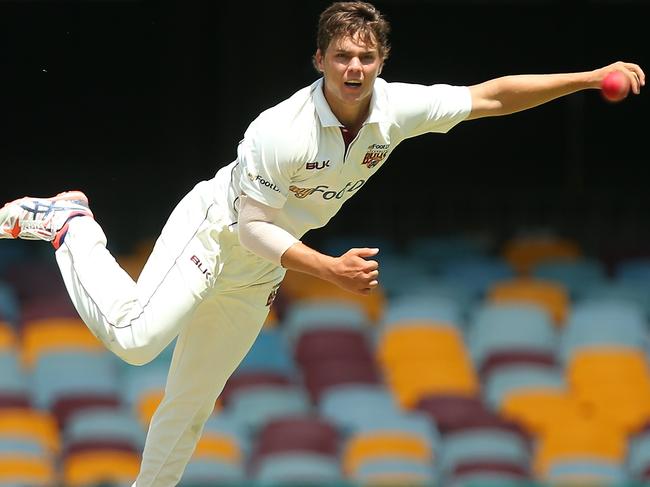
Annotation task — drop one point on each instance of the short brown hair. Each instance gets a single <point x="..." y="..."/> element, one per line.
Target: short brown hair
<point x="353" y="18"/>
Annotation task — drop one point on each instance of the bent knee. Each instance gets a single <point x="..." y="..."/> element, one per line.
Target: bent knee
<point x="136" y="355"/>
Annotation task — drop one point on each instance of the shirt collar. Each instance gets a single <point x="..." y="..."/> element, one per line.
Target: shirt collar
<point x="327" y="117"/>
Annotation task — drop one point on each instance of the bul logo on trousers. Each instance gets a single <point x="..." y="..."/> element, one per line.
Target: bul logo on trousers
<point x="197" y="262"/>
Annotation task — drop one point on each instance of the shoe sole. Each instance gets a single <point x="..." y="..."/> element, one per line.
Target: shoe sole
<point x="64" y="196"/>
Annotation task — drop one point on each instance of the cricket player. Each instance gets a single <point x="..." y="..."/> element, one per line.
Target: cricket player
<point x="223" y="252"/>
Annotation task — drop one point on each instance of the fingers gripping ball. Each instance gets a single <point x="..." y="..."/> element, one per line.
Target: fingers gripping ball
<point x="615" y="86"/>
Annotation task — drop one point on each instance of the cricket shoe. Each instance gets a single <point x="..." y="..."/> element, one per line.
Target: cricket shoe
<point x="42" y="218"/>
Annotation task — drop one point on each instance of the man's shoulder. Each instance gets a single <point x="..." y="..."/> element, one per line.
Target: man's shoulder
<point x="284" y="114"/>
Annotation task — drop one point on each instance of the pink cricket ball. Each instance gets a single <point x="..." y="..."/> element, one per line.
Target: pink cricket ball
<point x="615" y="86"/>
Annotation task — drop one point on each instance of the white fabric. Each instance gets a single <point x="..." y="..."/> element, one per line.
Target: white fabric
<point x="293" y="155"/>
<point x="259" y="234"/>
<point x="199" y="284"/>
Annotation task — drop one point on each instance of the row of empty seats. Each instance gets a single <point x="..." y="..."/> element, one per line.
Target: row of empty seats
<point x="450" y="375"/>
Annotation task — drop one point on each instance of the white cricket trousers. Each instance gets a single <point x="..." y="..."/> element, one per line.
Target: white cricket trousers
<point x="198" y="284"/>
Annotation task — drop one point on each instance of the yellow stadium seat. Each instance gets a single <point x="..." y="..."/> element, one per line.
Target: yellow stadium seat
<point x="419" y="341"/>
<point x="31" y="424"/>
<point x="55" y="334"/>
<point x="146" y="405"/>
<point x="577" y="437"/>
<point x="364" y="447"/>
<point x="537" y="409"/>
<point x="551" y="296"/>
<point x="22" y="470"/>
<point x="220" y="447"/>
<point x="525" y="253"/>
<point x="300" y="286"/>
<point x="100" y="466"/>
<point x="7" y="336"/>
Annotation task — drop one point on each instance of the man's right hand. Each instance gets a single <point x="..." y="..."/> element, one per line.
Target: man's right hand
<point x="353" y="272"/>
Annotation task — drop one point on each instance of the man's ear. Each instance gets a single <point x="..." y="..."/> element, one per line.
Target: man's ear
<point x="318" y="60"/>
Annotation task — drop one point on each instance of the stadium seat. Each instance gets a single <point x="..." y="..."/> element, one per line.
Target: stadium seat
<point x="305" y="315"/>
<point x="20" y="470"/>
<point x="253" y="407"/>
<point x="370" y="446"/>
<point x="9" y="305"/>
<point x="552" y="296"/>
<point x="574" y="275"/>
<point x="66" y="374"/>
<point x="511" y="327"/>
<point x="205" y="472"/>
<point x="638" y="454"/>
<point x="596" y="439"/>
<point x="482" y="445"/>
<point x="603" y="323"/>
<point x="246" y="380"/>
<point x="99" y="467"/>
<point x="347" y="405"/>
<point x="525" y="252"/>
<point x="14" y="387"/>
<point x="320" y="376"/>
<point x="395" y="472"/>
<point x="31" y="425"/>
<point x="602" y="376"/>
<point x="420" y="360"/>
<point x="618" y="290"/>
<point x="452" y="412"/>
<point x="55" y="335"/>
<point x="269" y="353"/>
<point x="298" y="469"/>
<point x="319" y="345"/>
<point x="308" y="434"/>
<point x="511" y="380"/>
<point x="581" y="471"/>
<point x="478" y="273"/>
<point x="97" y="425"/>
<point x="437" y="310"/>
<point x="538" y="409"/>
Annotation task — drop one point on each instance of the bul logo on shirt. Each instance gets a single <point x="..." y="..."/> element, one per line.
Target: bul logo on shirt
<point x="374" y="155"/>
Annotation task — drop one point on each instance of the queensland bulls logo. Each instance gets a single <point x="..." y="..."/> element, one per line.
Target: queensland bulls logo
<point x="375" y="154"/>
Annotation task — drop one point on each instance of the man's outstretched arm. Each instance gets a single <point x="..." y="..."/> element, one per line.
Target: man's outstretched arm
<point x="510" y="94"/>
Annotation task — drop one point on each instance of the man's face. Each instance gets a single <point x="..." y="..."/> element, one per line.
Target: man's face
<point x="350" y="68"/>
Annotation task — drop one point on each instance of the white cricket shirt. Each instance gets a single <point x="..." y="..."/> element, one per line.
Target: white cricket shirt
<point x="293" y="155"/>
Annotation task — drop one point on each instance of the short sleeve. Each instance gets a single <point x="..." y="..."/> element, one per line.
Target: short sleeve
<point x="266" y="168"/>
<point x="437" y="108"/>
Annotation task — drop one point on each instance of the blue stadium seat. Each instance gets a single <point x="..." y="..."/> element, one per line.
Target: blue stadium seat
<point x="604" y="323"/>
<point x="574" y="275"/>
<point x="638" y="455"/>
<point x="477" y="273"/>
<point x="212" y="473"/>
<point x="510" y="379"/>
<point x="435" y="309"/>
<point x="498" y="327"/>
<point x="483" y="445"/>
<point x="107" y="424"/>
<point x="347" y="406"/>
<point x="13" y="380"/>
<point x="582" y="471"/>
<point x="254" y="406"/>
<point x="270" y="353"/>
<point x="9" y="305"/>
<point x="388" y="471"/>
<point x="67" y="373"/>
<point x="298" y="469"/>
<point x="311" y="314"/>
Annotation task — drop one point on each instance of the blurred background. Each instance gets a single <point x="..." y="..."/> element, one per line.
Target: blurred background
<point x="509" y="342"/>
